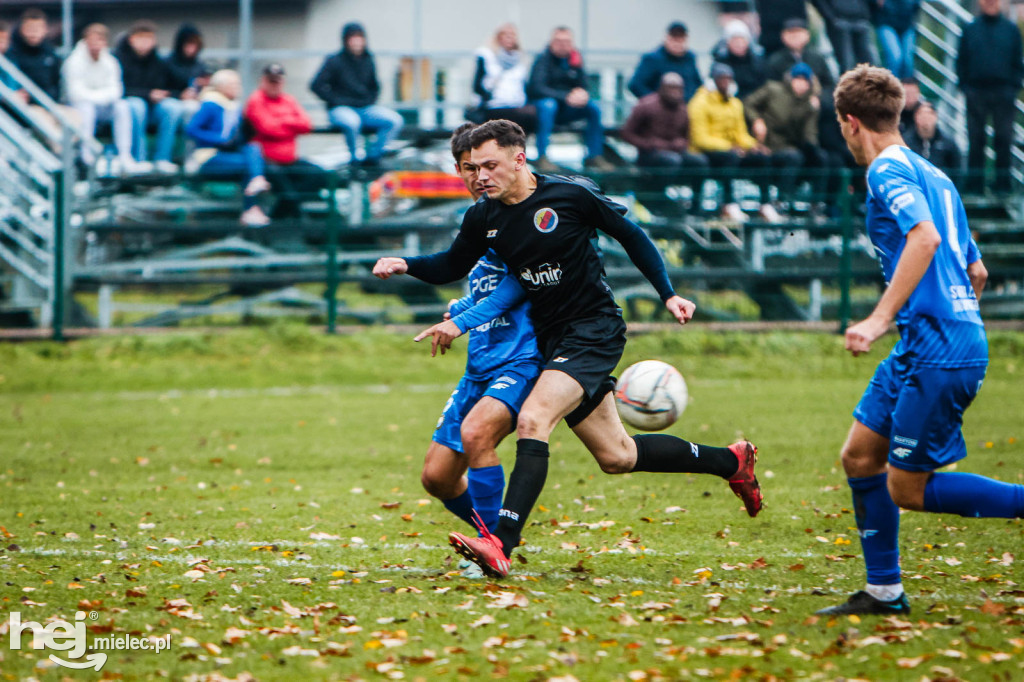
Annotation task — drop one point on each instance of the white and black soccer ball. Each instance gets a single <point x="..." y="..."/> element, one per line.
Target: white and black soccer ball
<point x="651" y="395"/>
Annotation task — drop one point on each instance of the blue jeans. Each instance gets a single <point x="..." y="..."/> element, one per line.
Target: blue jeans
<point x="247" y="161"/>
<point x="166" y="115"/>
<point x="550" y="112"/>
<point x="374" y="118"/>
<point x="898" y="49"/>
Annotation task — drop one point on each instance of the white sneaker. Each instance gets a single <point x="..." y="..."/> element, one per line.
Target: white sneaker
<point x="734" y="213"/>
<point x="254" y="217"/>
<point x="166" y="167"/>
<point x="770" y="215"/>
<point x="133" y="167"/>
<point x="257" y="185"/>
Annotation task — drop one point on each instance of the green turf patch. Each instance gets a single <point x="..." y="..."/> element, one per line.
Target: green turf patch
<point x="256" y="496"/>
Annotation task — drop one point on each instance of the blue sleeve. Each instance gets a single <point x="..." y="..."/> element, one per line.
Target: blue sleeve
<point x="200" y="128"/>
<point x="461" y="305"/>
<point x="507" y="295"/>
<point x="455" y="263"/>
<point x="973" y="253"/>
<point x="896" y="190"/>
<point x="606" y="215"/>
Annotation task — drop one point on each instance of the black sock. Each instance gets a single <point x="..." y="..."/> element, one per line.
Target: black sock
<point x="524" y="486"/>
<point x="662" y="453"/>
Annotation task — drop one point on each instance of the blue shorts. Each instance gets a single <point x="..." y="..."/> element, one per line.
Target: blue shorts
<point x="511" y="384"/>
<point x="920" y="410"/>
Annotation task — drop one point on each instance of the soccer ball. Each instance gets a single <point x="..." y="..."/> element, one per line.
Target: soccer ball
<point x="651" y="395"/>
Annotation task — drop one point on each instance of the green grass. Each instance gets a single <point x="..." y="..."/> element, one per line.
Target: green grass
<point x="124" y="462"/>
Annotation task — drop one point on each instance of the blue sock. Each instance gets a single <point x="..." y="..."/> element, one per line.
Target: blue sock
<point x="461" y="506"/>
<point x="973" y="495"/>
<point x="878" y="520"/>
<point x="487" y="486"/>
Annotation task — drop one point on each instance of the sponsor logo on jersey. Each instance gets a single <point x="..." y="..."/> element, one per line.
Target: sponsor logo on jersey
<point x="546" y="275"/>
<point x="508" y="380"/>
<point x="901" y="202"/>
<point x="485" y="284"/>
<point x="902" y="453"/>
<point x="510" y="514"/>
<point x="491" y="234"/>
<point x="903" y="440"/>
<point x="496" y="323"/>
<point x="962" y="298"/>
<point x="560" y="359"/>
<point x="545" y="220"/>
<point x="499" y="386"/>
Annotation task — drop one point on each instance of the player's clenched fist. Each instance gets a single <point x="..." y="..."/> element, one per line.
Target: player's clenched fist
<point x="681" y="308"/>
<point x="388" y="266"/>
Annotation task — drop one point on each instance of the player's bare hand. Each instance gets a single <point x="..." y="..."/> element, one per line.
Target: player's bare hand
<point x="442" y="335"/>
<point x="448" y="313"/>
<point x="388" y="266"/>
<point x="681" y="308"/>
<point x="860" y="336"/>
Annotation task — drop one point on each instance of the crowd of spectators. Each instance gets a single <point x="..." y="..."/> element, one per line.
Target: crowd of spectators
<point x="764" y="113"/>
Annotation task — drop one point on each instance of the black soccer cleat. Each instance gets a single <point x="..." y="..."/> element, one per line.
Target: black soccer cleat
<point x="863" y="604"/>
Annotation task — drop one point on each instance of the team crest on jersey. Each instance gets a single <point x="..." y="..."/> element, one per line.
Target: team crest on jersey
<point x="545" y="220"/>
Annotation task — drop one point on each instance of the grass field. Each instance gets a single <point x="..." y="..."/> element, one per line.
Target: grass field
<point x="256" y="496"/>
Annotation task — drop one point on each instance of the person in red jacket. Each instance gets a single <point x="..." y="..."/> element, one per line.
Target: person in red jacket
<point x="276" y="120"/>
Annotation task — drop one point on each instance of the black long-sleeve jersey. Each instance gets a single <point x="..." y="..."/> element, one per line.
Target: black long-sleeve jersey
<point x="546" y="242"/>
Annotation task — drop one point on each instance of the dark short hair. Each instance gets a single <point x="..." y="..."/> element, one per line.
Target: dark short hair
<point x="5" y="27"/>
<point x="142" y="26"/>
<point x="33" y="14"/>
<point x="505" y="133"/>
<point x="460" y="140"/>
<point x="873" y="95"/>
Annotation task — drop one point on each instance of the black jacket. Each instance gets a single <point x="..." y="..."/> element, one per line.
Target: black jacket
<point x="40" y="63"/>
<point x="843" y="10"/>
<point x="141" y="74"/>
<point x="940" y="150"/>
<point x="347" y="80"/>
<point x="782" y="61"/>
<point x="655" y="64"/>
<point x="750" y="71"/>
<point x="185" y="70"/>
<point x="773" y="14"/>
<point x="554" y="77"/>
<point x="990" y="55"/>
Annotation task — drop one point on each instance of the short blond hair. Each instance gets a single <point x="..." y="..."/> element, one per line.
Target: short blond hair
<point x="873" y="95"/>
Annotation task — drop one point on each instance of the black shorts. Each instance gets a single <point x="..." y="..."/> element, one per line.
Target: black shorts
<point x="588" y="350"/>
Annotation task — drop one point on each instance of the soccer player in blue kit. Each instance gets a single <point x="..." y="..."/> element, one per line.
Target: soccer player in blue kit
<point x="907" y="424"/>
<point x="461" y="467"/>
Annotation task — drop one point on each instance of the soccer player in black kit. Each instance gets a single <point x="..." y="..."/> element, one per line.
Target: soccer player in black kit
<point x="542" y="227"/>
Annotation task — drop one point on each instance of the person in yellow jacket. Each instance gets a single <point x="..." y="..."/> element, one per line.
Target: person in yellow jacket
<point x="718" y="129"/>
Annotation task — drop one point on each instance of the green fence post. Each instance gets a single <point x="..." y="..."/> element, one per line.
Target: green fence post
<point x="333" y="220"/>
<point x="845" y="258"/>
<point x="59" y="289"/>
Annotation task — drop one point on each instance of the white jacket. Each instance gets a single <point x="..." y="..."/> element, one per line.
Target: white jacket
<point x="507" y="86"/>
<point x="87" y="80"/>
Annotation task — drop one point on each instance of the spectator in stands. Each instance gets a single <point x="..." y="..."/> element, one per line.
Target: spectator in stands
<point x="796" y="49"/>
<point x="718" y="130"/>
<point x="672" y="56"/>
<point x="896" y="26"/>
<point x="746" y="59"/>
<point x="348" y="83"/>
<point x="220" y="146"/>
<point x="92" y="77"/>
<point x="927" y="139"/>
<point x="277" y="120"/>
<point x="848" y="23"/>
<point x="33" y="53"/>
<point x="147" y="87"/>
<point x="189" y="74"/>
<point x="500" y="81"/>
<point x="785" y="119"/>
<point x="912" y="95"/>
<point x="990" y="70"/>
<point x="659" y="128"/>
<point x="558" y="86"/>
<point x="773" y="15"/>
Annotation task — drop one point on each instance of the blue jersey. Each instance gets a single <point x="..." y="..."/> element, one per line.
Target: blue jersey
<point x="940" y="325"/>
<point x="507" y="338"/>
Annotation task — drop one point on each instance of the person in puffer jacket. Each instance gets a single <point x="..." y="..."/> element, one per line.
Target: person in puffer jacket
<point x="221" y="149"/>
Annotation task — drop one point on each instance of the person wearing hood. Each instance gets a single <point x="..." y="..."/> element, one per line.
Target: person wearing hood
<point x="659" y="128"/>
<point x="189" y="74"/>
<point x="147" y="87"/>
<point x="718" y="130"/>
<point x="221" y="149"/>
<point x="95" y="90"/>
<point x="785" y="119"/>
<point x="896" y="26"/>
<point x="990" y="71"/>
<point x="848" y="24"/>
<point x="927" y="139"/>
<point x="347" y="83"/>
<point x="796" y="48"/>
<point x="673" y="55"/>
<point x="746" y="58"/>
<point x="500" y="80"/>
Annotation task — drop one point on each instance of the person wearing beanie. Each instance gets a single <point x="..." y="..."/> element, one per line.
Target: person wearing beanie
<point x="673" y="55"/>
<point x="927" y="139"/>
<point x="744" y="56"/>
<point x="718" y="130"/>
<point x="347" y="83"/>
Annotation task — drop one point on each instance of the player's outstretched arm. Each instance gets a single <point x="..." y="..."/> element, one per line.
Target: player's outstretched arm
<point x="506" y="296"/>
<point x="387" y="266"/>
<point x="922" y="243"/>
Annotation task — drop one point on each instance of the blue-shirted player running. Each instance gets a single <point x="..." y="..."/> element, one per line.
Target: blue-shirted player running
<point x="911" y="413"/>
<point x="461" y="466"/>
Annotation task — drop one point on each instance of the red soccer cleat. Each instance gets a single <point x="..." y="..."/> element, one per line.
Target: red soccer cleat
<point x="484" y="551"/>
<point x="744" y="482"/>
